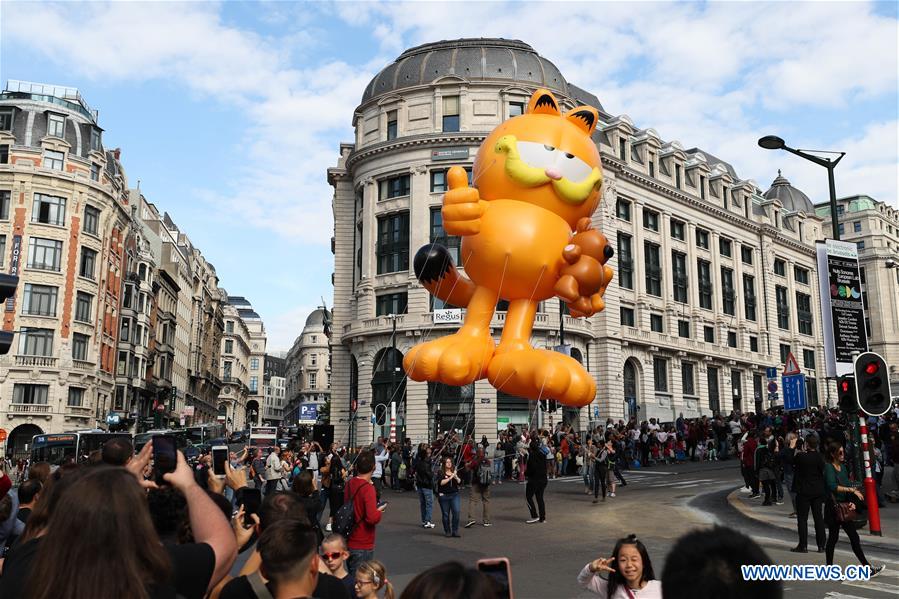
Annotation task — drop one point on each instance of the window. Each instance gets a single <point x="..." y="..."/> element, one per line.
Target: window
<point x="783" y="307"/>
<point x="438" y="181"/>
<point x="44" y="254"/>
<point x="227" y="367"/>
<point x="687" y="378"/>
<point x="708" y="334"/>
<point x="313" y="380"/>
<point x="516" y="109"/>
<point x="725" y="246"/>
<point x="683" y="329"/>
<point x="623" y="210"/>
<point x="784" y="352"/>
<point x="76" y="397"/>
<point x="800" y="274"/>
<point x="804" y="312"/>
<point x="702" y="186"/>
<point x="655" y="323"/>
<point x="627" y="317"/>
<point x="731" y="339"/>
<point x="313" y="360"/>
<point x="95" y="172"/>
<point x="83" y="303"/>
<point x="4" y="204"/>
<point x="749" y="296"/>
<point x="254" y="384"/>
<point x="95" y="140"/>
<point x="30" y="394"/>
<point x="677" y="229"/>
<point x="91" y="220"/>
<point x="450" y="113"/>
<point x="393" y="243"/>
<point x="391" y="125"/>
<point x="808" y="359"/>
<point x="391" y="303"/>
<point x="677" y="181"/>
<point x="650" y="219"/>
<point x="56" y="125"/>
<point x="79" y="346"/>
<point x="857" y="226"/>
<point x="2" y="249"/>
<point x="746" y="254"/>
<point x="6" y="120"/>
<point x="254" y="364"/>
<point x="841" y="228"/>
<point x="660" y="374"/>
<point x="393" y="187"/>
<point x="780" y="267"/>
<point x="452" y="242"/>
<point x="229" y="326"/>
<point x="679" y="278"/>
<point x="229" y="346"/>
<point x="39" y="300"/>
<point x="860" y="245"/>
<point x="728" y="292"/>
<point x="705" y="284"/>
<point x="53" y="160"/>
<point x="622" y="148"/>
<point x="88" y="261"/>
<point x="36" y="342"/>
<point x="49" y="210"/>
<point x="652" y="164"/>
<point x="126" y="330"/>
<point x="653" y="269"/>
<point x="625" y="262"/>
<point x="702" y="239"/>
<point x="753" y="343"/>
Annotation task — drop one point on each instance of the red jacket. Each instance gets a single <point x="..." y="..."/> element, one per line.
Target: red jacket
<point x="748" y="456"/>
<point x="365" y="511"/>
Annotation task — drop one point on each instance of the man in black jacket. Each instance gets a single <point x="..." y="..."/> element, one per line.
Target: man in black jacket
<point x="808" y="480"/>
<point x="424" y="480"/>
<point x="536" y="477"/>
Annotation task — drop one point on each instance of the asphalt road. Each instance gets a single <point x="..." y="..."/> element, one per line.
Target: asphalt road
<point x="658" y="506"/>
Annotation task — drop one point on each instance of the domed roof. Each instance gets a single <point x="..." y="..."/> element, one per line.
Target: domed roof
<point x="317" y="318"/>
<point x="792" y="199"/>
<point x="471" y="59"/>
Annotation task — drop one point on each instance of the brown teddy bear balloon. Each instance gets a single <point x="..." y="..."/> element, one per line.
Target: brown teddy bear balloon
<point x="585" y="275"/>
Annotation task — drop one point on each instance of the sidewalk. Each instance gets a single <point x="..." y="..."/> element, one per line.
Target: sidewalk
<point x="778" y="515"/>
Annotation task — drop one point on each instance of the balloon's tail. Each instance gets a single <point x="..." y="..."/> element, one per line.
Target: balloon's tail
<point x="435" y="269"/>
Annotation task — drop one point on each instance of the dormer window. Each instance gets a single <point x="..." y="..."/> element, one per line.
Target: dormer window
<point x="622" y="148"/>
<point x="450" y="113"/>
<point x="391" y="125"/>
<point x="56" y="125"/>
<point x="5" y="120"/>
<point x="95" y="140"/>
<point x="652" y="164"/>
<point x="516" y="109"/>
<point x="702" y="186"/>
<point x="677" y="176"/>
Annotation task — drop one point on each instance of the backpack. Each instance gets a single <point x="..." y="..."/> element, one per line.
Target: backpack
<point x="485" y="476"/>
<point x="345" y="518"/>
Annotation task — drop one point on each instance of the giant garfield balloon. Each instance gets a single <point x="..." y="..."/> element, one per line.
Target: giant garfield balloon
<point x="526" y="237"/>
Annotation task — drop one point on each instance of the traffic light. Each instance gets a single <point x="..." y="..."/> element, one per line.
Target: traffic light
<point x="552" y="405"/>
<point x="847" y="398"/>
<point x="8" y="285"/>
<point x="873" y="382"/>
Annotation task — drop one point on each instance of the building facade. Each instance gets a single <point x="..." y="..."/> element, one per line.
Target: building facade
<point x="308" y="367"/>
<point x="715" y="280"/>
<point x="874" y="227"/>
<point x="256" y="360"/>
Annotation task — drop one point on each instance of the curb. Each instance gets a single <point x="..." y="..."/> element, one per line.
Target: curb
<point x="735" y="501"/>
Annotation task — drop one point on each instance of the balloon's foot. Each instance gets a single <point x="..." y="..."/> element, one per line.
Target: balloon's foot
<point x="457" y="359"/>
<point x="541" y="374"/>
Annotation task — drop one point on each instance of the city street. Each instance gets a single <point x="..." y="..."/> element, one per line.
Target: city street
<point x="658" y="505"/>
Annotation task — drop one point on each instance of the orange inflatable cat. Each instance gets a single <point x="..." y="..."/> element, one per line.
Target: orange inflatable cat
<point x="538" y="180"/>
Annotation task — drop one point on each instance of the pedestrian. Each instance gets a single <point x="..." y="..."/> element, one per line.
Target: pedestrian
<point x="273" y="470"/>
<point x="536" y="481"/>
<point x="334" y="555"/>
<point x="396" y="460"/>
<point x="747" y="464"/>
<point x="630" y="573"/>
<point x="808" y="480"/>
<point x="381" y="457"/>
<point x="765" y="470"/>
<point x="600" y="471"/>
<point x="451" y="580"/>
<point x="498" y="462"/>
<point x="448" y="496"/>
<point x="424" y="480"/>
<point x="366" y="511"/>
<point x="334" y="476"/>
<point x="304" y="486"/>
<point x="371" y="577"/>
<point x="481" y="475"/>
<point x="836" y="479"/>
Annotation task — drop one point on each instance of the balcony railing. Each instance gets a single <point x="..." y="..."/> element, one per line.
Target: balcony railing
<point x="83" y="365"/>
<point x="543" y="321"/>
<point x="79" y="411"/>
<point x="29" y="408"/>
<point x="39" y="361"/>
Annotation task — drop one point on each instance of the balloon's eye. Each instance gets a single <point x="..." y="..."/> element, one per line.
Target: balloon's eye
<point x="549" y="148"/>
<point x="569" y="155"/>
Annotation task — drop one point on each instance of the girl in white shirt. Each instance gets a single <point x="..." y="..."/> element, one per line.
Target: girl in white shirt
<point x="630" y="574"/>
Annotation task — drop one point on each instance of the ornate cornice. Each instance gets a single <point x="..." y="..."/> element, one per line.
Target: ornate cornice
<point x="415" y="141"/>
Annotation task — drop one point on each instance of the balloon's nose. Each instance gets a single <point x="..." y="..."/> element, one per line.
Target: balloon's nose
<point x="553" y="174"/>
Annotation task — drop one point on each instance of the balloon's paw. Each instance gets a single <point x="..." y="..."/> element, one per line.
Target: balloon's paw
<point x="456" y="359"/>
<point x="541" y="374"/>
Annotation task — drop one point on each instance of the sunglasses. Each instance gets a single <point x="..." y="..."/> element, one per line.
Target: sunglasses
<point x="336" y="555"/>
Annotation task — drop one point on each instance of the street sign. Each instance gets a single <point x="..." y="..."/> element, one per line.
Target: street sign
<point x="448" y="316"/>
<point x="772" y="387"/>
<point x="308" y="413"/>
<point x="794" y="392"/>
<point x="772" y="398"/>
<point x="842" y="307"/>
<point x="771" y="372"/>
<point x="791" y="366"/>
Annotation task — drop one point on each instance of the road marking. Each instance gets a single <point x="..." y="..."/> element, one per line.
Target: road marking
<point x="836" y="595"/>
<point x="683" y="482"/>
<point x="874" y="586"/>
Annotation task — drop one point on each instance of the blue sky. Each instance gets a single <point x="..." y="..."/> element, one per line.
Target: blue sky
<point x="230" y="113"/>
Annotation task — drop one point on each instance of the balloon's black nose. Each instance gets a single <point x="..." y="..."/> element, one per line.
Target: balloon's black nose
<point x="609" y="252"/>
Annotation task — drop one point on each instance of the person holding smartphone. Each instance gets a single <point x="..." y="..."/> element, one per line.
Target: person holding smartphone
<point x="448" y="496"/>
<point x="629" y="573"/>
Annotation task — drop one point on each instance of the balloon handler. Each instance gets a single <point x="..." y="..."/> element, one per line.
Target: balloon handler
<point x="526" y="237"/>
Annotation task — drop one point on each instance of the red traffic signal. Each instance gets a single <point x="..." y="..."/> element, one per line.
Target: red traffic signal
<point x="873" y="383"/>
<point x="872" y="368"/>
<point x="847" y="398"/>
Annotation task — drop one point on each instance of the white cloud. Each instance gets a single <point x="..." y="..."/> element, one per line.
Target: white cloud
<point x="285" y="327"/>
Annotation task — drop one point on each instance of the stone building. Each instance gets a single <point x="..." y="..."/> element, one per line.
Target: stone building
<point x="874" y="227"/>
<point x="256" y="359"/>
<point x="308" y="366"/>
<point x="715" y="280"/>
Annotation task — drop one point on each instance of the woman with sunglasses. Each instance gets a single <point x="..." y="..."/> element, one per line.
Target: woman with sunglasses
<point x="836" y="479"/>
<point x="371" y="577"/>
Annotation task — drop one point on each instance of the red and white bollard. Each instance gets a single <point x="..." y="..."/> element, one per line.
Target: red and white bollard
<point x="393" y="422"/>
<point x="870" y="486"/>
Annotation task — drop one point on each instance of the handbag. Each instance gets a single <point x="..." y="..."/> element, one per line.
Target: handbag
<point x="844" y="511"/>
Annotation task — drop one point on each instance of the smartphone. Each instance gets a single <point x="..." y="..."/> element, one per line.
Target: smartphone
<point x="499" y="571"/>
<point x="252" y="500"/>
<point x="165" y="456"/>
<point x="219" y="457"/>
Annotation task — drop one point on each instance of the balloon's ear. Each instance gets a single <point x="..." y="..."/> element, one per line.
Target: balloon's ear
<point x="585" y="117"/>
<point x="543" y="102"/>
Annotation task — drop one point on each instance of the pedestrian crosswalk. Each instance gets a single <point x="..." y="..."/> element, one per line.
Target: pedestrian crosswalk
<point x="652" y="480"/>
<point x="885" y="585"/>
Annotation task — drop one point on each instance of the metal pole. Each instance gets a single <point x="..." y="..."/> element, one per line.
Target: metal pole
<point x="870" y="487"/>
<point x="561" y="324"/>
<point x="834" y="218"/>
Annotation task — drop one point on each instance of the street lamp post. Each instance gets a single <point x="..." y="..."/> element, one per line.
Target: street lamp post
<point x="772" y="142"/>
